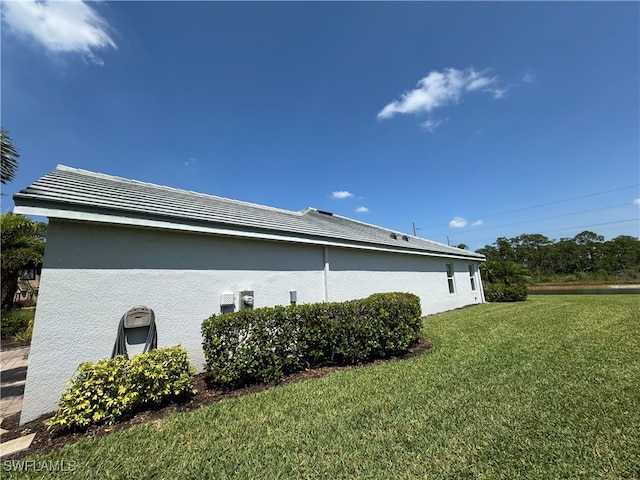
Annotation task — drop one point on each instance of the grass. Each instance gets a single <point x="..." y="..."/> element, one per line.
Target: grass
<point x="547" y="388"/>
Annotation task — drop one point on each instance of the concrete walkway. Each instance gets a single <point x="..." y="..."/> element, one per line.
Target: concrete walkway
<point x="13" y="374"/>
<point x="13" y="366"/>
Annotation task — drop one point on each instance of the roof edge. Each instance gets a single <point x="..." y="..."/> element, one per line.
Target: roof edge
<point x="76" y="215"/>
<point x="105" y="176"/>
<point x="397" y="232"/>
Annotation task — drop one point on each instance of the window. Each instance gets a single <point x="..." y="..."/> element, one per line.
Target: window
<point x="28" y="274"/>
<point x="472" y="271"/>
<point x="452" y="286"/>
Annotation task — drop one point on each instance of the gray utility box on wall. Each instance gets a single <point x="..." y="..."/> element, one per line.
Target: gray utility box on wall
<point x="137" y="317"/>
<point x="246" y="299"/>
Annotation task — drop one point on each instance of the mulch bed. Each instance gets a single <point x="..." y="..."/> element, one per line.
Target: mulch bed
<point x="207" y="394"/>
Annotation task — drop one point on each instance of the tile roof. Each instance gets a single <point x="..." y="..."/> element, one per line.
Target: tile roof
<point x="71" y="189"/>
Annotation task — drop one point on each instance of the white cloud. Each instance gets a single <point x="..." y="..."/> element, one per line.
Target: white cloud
<point x="478" y="82"/>
<point x="341" y="194"/>
<point x="431" y="124"/>
<point x="458" y="222"/>
<point x="636" y="201"/>
<point x="499" y="92"/>
<point x="477" y="223"/>
<point x="362" y="209"/>
<point x="528" y="78"/>
<point x="59" y="26"/>
<point x="439" y="89"/>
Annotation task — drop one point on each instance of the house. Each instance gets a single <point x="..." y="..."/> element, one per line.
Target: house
<point x="28" y="285"/>
<point x="114" y="243"/>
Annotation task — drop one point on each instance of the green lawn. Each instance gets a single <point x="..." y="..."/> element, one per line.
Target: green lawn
<point x="543" y="389"/>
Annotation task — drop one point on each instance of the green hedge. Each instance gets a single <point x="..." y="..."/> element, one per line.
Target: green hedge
<point x="112" y="388"/>
<point x="496" y="292"/>
<point x="263" y="344"/>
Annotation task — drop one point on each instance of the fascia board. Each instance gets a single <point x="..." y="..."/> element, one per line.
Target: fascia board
<point x="75" y="215"/>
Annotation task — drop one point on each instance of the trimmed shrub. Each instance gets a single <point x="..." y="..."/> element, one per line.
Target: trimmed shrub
<point x="111" y="388"/>
<point x="250" y="345"/>
<point x="496" y="292"/>
<point x="378" y="326"/>
<point x="264" y="344"/>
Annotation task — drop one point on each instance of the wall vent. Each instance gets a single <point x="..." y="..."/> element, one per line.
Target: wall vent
<point x="226" y="299"/>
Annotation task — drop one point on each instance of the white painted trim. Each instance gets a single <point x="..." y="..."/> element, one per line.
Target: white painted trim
<point x="325" y="254"/>
<point x="479" y="277"/>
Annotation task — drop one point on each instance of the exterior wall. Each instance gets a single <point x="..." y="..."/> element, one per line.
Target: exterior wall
<point x="93" y="273"/>
<point x="357" y="274"/>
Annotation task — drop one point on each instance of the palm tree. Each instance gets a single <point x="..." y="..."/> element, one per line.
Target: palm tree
<point x="505" y="272"/>
<point x="22" y="247"/>
<point x="9" y="157"/>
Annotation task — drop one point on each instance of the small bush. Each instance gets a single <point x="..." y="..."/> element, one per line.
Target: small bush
<point x="161" y="373"/>
<point x="112" y="388"/>
<point x="505" y="293"/>
<point x="26" y="334"/>
<point x="15" y="322"/>
<point x="266" y="343"/>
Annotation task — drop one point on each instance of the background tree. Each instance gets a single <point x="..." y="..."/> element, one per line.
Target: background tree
<point x="620" y="254"/>
<point x="585" y="257"/>
<point x="589" y="246"/>
<point x="9" y="157"/>
<point x="505" y="247"/>
<point x="564" y="257"/>
<point x="22" y="242"/>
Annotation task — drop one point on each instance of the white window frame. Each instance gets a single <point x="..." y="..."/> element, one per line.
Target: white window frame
<point x="451" y="282"/>
<point x="472" y="276"/>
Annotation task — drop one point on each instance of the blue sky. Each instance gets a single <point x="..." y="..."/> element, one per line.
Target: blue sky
<point x="473" y="120"/>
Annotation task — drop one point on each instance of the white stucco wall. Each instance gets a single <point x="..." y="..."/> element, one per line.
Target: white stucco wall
<point x="93" y="273"/>
<point x="357" y="274"/>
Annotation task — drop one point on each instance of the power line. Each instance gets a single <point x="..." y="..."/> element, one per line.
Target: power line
<point x="547" y="218"/>
<point x="594" y="225"/>
<point x="545" y="204"/>
<point x="570" y="228"/>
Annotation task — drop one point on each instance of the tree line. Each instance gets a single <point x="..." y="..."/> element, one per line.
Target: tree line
<point x="587" y="256"/>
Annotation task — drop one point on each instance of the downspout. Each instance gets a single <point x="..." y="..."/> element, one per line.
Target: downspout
<point x="325" y="252"/>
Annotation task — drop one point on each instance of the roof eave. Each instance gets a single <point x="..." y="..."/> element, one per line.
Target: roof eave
<point x="29" y="206"/>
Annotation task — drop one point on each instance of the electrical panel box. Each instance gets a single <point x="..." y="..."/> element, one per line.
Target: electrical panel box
<point x="227" y="299"/>
<point x="136" y="317"/>
<point x="246" y="299"/>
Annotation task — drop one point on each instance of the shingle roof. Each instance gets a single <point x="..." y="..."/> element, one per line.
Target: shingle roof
<point x="71" y="189"/>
